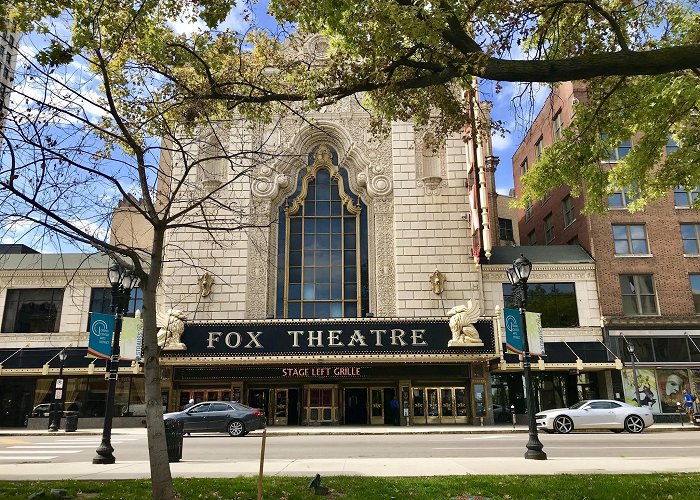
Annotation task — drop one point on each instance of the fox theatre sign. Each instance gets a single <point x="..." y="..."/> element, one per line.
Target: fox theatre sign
<point x="347" y="338"/>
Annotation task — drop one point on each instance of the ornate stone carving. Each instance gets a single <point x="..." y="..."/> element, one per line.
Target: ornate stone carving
<point x="171" y="326"/>
<point x="258" y="262"/>
<point x="431" y="164"/>
<point x="437" y="282"/>
<point x="205" y="283"/>
<point x="462" y="318"/>
<point x="385" y="277"/>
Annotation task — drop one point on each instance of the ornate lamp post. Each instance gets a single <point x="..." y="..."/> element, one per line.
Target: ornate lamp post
<point x="630" y="349"/>
<point x="122" y="281"/>
<point x="56" y="413"/>
<point x="518" y="275"/>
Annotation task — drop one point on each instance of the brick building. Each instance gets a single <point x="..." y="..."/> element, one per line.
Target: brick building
<point x="647" y="264"/>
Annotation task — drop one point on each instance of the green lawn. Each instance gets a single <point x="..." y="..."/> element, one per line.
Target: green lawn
<point x="608" y="487"/>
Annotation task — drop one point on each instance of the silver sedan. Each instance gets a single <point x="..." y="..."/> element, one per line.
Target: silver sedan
<point x="596" y="414"/>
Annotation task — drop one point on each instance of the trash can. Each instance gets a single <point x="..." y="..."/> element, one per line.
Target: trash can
<point x="173" y="438"/>
<point x="71" y="424"/>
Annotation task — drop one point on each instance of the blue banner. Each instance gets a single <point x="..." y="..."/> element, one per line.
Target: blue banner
<point x="101" y="330"/>
<point x="514" y="331"/>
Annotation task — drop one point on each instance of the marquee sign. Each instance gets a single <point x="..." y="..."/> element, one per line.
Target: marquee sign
<point x="383" y="336"/>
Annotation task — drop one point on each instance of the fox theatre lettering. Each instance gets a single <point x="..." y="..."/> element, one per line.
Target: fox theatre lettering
<point x="323" y="338"/>
<point x="344" y="337"/>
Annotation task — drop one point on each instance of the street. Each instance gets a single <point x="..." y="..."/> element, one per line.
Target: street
<point x="129" y="447"/>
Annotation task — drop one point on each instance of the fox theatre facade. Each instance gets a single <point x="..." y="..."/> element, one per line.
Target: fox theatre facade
<point x="336" y="372"/>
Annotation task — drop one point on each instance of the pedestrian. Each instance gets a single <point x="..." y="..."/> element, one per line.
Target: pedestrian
<point x="689" y="400"/>
<point x="394" y="410"/>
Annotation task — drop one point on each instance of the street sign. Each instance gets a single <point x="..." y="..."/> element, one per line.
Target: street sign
<point x="59" y="383"/>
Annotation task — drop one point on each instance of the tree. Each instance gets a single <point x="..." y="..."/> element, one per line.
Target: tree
<point x="639" y="60"/>
<point x="93" y="124"/>
<point x="413" y="60"/>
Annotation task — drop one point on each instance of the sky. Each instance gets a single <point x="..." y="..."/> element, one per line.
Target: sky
<point x="516" y="113"/>
<point x="513" y="105"/>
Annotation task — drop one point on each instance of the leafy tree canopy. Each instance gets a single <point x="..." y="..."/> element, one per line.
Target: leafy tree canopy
<point x="411" y="59"/>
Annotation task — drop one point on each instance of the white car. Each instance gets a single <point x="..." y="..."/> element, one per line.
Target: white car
<point x="596" y="414"/>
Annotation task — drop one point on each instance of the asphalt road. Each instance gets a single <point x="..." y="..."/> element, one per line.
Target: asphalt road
<point x="62" y="448"/>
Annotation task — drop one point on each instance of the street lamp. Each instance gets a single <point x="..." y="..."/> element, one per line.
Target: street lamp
<point x="56" y="413"/>
<point x="518" y="275"/>
<point x="122" y="281"/>
<point x="630" y="349"/>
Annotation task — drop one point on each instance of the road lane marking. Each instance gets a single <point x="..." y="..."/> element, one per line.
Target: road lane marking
<point x="514" y="447"/>
<point x="27" y="457"/>
<point x="38" y="446"/>
<point x="40" y="451"/>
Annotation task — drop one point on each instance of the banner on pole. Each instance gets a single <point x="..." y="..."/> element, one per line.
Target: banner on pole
<point x="514" y="336"/>
<point x="131" y="339"/>
<point x="535" y="336"/>
<point x="514" y="332"/>
<point x="101" y="330"/>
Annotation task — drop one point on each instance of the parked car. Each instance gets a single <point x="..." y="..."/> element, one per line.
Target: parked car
<point x="41" y="410"/>
<point x="596" y="414"/>
<point x="220" y="416"/>
<point x="696" y="418"/>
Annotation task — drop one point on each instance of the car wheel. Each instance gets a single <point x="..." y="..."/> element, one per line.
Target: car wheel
<point x="236" y="428"/>
<point x="563" y="424"/>
<point x="634" y="424"/>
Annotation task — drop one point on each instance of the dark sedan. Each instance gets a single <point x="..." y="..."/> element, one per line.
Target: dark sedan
<point x="220" y="416"/>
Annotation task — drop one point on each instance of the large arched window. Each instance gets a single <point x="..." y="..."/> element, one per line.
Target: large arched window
<point x="322" y="259"/>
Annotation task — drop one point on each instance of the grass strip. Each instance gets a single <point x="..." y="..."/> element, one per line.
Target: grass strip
<point x="559" y="487"/>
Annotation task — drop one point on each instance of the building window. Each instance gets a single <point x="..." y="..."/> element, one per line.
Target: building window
<point x="690" y="234"/>
<point x="528" y="211"/>
<point x="555" y="301"/>
<point x="532" y="238"/>
<point x="101" y="302"/>
<point x="621" y="198"/>
<point x="538" y="149"/>
<point x="505" y="229"/>
<point x="523" y="167"/>
<point x="683" y="198"/>
<point x="695" y="287"/>
<point x="621" y="151"/>
<point x="32" y="310"/>
<point x="323" y="258"/>
<point x="557" y="126"/>
<point x="671" y="145"/>
<point x="630" y="239"/>
<point x="573" y="241"/>
<point x="548" y="229"/>
<point x="568" y="209"/>
<point x="638" y="294"/>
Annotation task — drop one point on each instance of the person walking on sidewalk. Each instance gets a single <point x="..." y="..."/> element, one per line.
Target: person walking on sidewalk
<point x="394" y="404"/>
<point x="689" y="400"/>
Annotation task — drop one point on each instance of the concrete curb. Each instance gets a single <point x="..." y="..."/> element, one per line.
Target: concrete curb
<point x="355" y="431"/>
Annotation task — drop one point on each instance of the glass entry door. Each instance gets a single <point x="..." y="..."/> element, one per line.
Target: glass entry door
<point x="281" y="406"/>
<point x="376" y="405"/>
<point x="432" y="396"/>
<point x="439" y="405"/>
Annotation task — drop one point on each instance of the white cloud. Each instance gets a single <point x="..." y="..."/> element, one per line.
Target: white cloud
<point x="500" y="142"/>
<point x="503" y="190"/>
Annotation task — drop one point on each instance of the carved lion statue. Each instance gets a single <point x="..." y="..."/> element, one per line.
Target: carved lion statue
<point x="171" y="324"/>
<point x="461" y="319"/>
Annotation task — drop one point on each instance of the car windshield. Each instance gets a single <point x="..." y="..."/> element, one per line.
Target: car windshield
<point x="578" y="405"/>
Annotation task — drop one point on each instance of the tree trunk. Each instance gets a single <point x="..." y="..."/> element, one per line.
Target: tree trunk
<point x="161" y="478"/>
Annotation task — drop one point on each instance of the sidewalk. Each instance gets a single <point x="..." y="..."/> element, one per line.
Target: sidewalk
<point x="349" y="430"/>
<point x="469" y="464"/>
